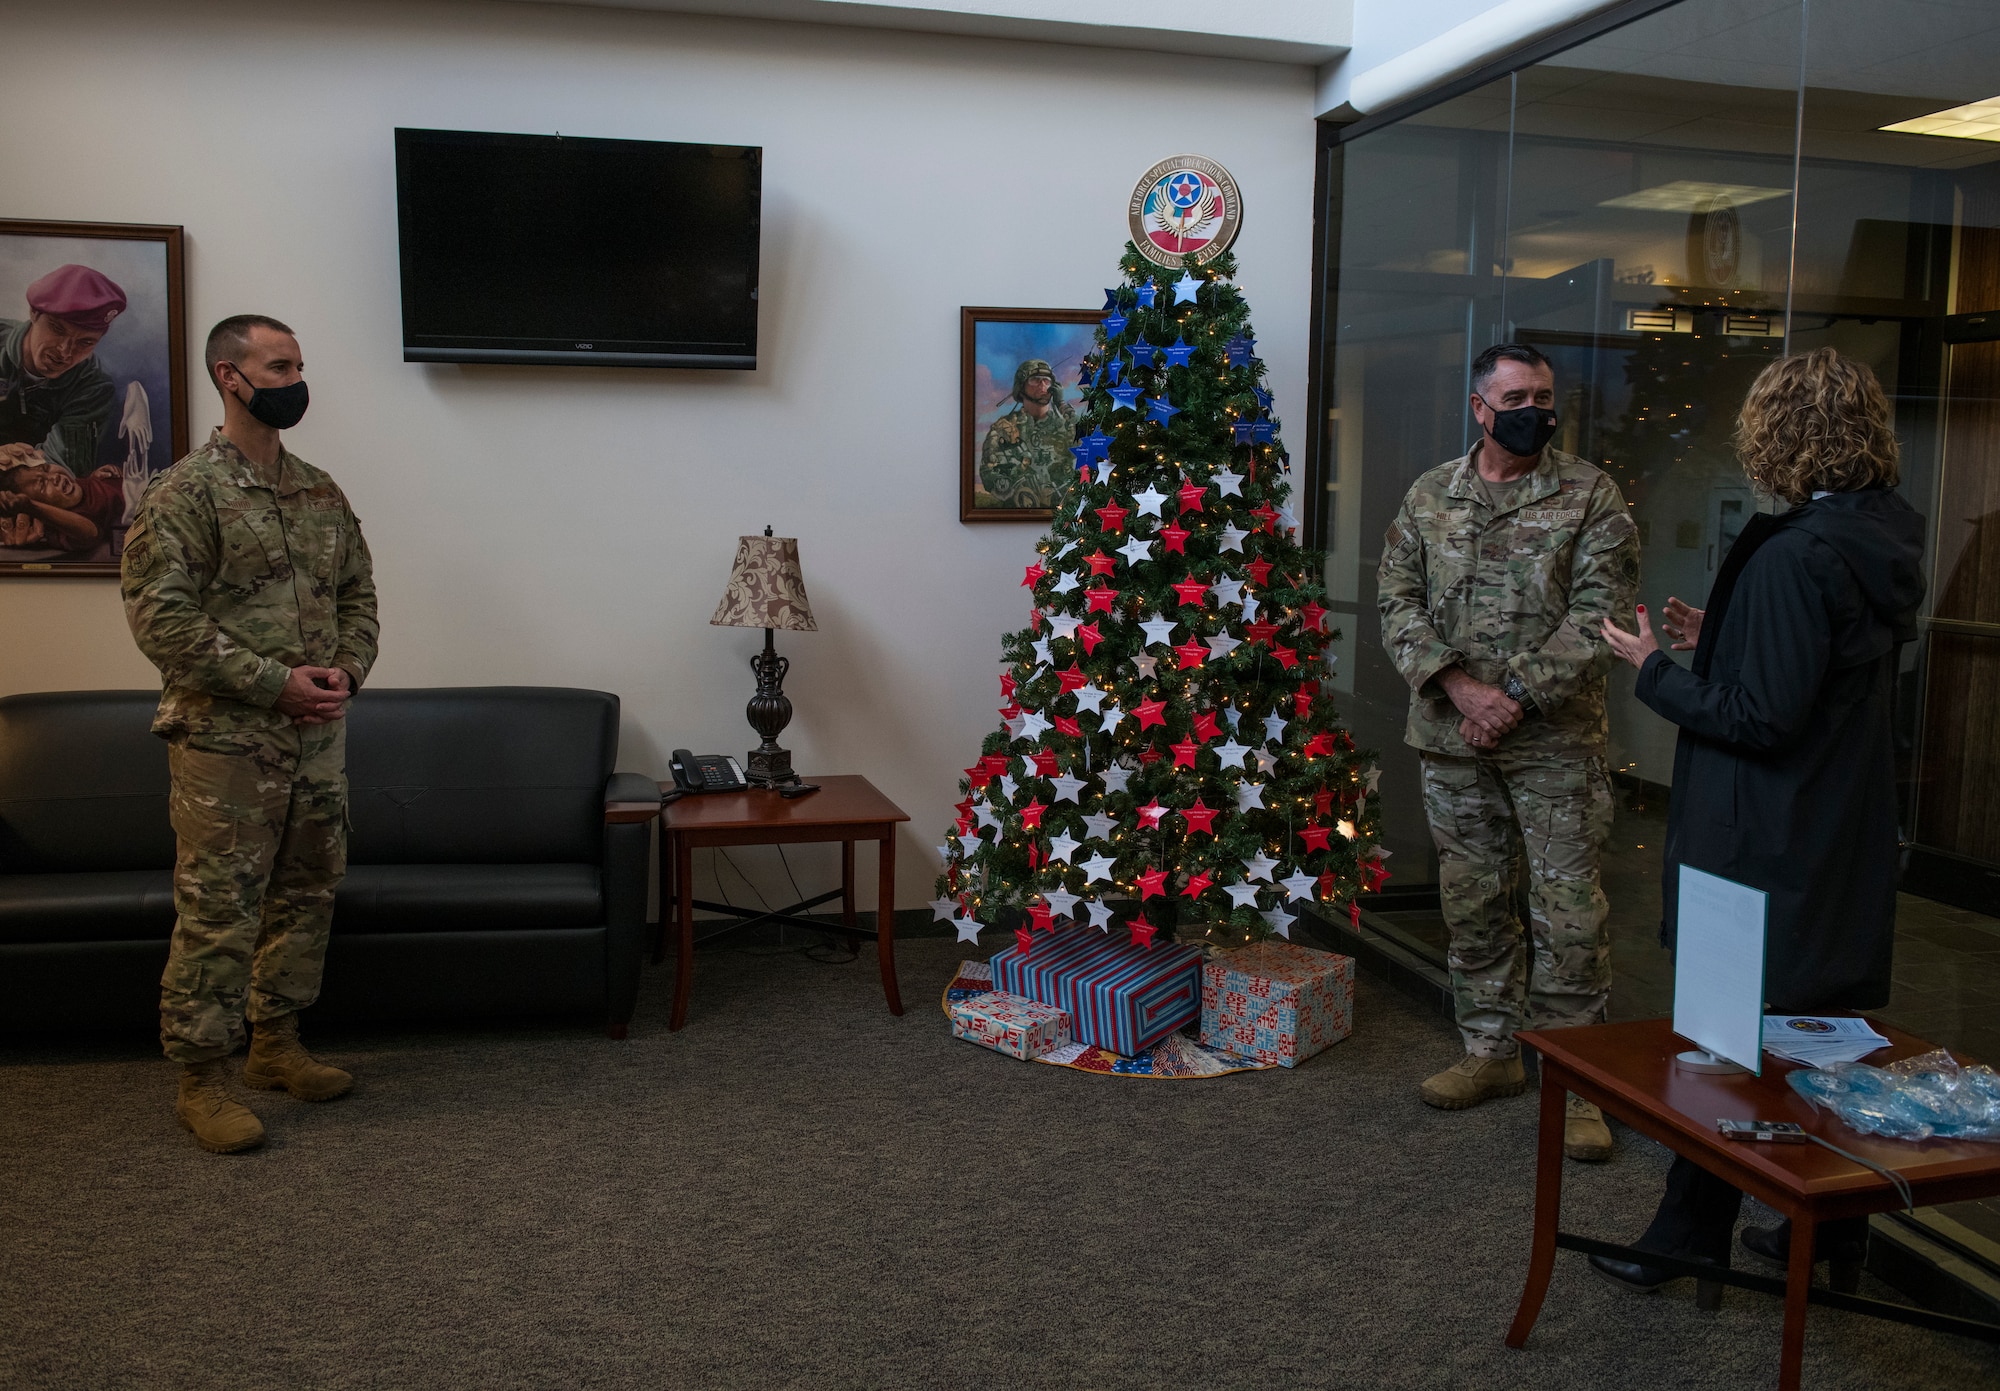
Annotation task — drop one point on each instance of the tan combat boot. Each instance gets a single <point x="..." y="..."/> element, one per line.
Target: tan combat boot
<point x="1585" y="1135"/>
<point x="219" y="1124"/>
<point x="1471" y="1080"/>
<point x="276" y="1060"/>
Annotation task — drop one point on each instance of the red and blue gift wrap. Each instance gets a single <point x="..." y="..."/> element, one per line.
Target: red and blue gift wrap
<point x="1118" y="996"/>
<point x="1277" y="1002"/>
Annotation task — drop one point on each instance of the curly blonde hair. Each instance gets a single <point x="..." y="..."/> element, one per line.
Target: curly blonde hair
<point x="1817" y="422"/>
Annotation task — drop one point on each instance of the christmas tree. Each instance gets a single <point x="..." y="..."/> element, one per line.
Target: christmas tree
<point x="1169" y="762"/>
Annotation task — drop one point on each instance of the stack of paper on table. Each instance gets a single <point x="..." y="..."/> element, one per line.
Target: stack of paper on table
<point x="1820" y="1040"/>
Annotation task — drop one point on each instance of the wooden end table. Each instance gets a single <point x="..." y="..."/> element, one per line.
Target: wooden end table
<point x="846" y="809"/>
<point x="1628" y="1070"/>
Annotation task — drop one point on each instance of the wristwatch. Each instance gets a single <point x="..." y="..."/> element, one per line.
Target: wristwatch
<point x="1517" y="691"/>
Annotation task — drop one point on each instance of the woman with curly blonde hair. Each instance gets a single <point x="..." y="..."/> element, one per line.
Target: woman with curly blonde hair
<point x="1784" y="773"/>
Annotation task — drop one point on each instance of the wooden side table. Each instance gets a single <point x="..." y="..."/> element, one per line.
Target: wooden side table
<point x="1628" y="1070"/>
<point x="846" y="809"/>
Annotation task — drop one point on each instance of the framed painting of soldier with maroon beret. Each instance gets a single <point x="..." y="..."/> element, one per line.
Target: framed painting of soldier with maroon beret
<point x="93" y="387"/>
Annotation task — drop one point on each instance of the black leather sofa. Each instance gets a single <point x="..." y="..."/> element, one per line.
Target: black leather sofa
<point x="482" y="880"/>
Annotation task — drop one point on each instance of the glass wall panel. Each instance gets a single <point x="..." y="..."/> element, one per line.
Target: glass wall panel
<point x="1415" y="259"/>
<point x="1663" y="210"/>
<point x="1648" y="245"/>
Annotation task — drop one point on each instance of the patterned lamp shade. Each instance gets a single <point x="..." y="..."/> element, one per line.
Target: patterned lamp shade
<point x="766" y="589"/>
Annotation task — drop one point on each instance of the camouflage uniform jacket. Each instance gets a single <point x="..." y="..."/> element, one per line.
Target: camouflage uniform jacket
<point x="1025" y="462"/>
<point x="1519" y="591"/>
<point x="230" y="582"/>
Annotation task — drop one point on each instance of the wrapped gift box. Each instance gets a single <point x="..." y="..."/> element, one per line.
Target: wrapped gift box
<point x="1118" y="996"/>
<point x="1010" y="1024"/>
<point x="1277" y="1002"/>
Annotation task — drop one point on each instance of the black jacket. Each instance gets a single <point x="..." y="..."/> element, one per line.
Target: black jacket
<point x="1784" y="775"/>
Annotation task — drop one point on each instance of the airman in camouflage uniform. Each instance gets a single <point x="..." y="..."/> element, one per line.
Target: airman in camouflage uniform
<point x="249" y="586"/>
<point x="1025" y="459"/>
<point x="1507" y="582"/>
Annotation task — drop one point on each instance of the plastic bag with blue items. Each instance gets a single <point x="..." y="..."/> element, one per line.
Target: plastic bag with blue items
<point x="1911" y="1099"/>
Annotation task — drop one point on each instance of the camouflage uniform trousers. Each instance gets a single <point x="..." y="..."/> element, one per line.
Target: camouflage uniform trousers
<point x="1487" y="816"/>
<point x="261" y="822"/>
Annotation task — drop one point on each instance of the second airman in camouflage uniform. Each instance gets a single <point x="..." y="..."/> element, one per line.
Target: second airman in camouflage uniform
<point x="1025" y="459"/>
<point x="1506" y="583"/>
<point x="249" y="586"/>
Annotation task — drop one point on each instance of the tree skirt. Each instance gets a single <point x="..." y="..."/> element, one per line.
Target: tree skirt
<point x="1176" y="1055"/>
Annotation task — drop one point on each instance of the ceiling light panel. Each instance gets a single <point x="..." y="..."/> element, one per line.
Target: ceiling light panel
<point x="1976" y="120"/>
<point x="1693" y="195"/>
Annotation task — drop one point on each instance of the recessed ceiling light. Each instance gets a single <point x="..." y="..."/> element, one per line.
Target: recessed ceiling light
<point x="1976" y="120"/>
<point x="1692" y="195"/>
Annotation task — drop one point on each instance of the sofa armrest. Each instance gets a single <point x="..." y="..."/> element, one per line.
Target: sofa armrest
<point x="630" y="790"/>
<point x="627" y="868"/>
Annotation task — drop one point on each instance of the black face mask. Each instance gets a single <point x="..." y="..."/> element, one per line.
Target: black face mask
<point x="1522" y="432"/>
<point x="280" y="407"/>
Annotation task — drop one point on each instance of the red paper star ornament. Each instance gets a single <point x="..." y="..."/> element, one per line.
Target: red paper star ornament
<point x="1099" y="563"/>
<point x="1142" y="932"/>
<point x="1191" y="495"/>
<point x="1066" y="725"/>
<point x="1175" y="539"/>
<point x="1044" y="761"/>
<point x="1184" y="753"/>
<point x="1267" y="517"/>
<point x="1089" y="636"/>
<point x="1260" y="570"/>
<point x="1025" y="939"/>
<point x="1205" y="727"/>
<point x="1043" y="916"/>
<point x="1149" y="756"/>
<point x="1312" y="614"/>
<point x="1191" y="591"/>
<point x="1110" y="517"/>
<point x="1315" y="837"/>
<point x="1035" y="572"/>
<point x="1150" y="713"/>
<point x="1072" y="678"/>
<point x="1006" y="684"/>
<point x="1031" y="814"/>
<point x="1321" y="743"/>
<point x="1200" y="818"/>
<point x="1260" y="631"/>
<point x="1302" y="699"/>
<point x="1286" y="657"/>
<point x="1198" y="885"/>
<point x="1152" y="882"/>
<point x="1191" y="653"/>
<point x="1098" y="599"/>
<point x="1150" y="814"/>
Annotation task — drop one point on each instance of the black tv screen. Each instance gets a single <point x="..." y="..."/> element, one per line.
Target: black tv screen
<point x="555" y="249"/>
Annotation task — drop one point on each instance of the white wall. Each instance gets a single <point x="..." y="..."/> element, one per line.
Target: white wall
<point x="575" y="526"/>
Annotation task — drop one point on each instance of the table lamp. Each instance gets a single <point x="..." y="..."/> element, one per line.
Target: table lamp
<point x="767" y="591"/>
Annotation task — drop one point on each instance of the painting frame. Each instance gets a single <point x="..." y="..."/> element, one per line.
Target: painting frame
<point x="173" y="361"/>
<point x="971" y="435"/>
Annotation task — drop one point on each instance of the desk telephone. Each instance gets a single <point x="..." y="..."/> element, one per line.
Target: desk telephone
<point x="708" y="772"/>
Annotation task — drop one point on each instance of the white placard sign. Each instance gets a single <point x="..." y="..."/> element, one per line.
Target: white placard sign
<point x="1719" y="967"/>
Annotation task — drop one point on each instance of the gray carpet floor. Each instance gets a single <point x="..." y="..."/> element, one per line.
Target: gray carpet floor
<point x="801" y="1190"/>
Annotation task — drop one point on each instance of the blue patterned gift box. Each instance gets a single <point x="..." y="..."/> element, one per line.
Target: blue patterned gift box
<point x="1277" y="1002"/>
<point x="1010" y="1024"/>
<point x="1118" y="996"/>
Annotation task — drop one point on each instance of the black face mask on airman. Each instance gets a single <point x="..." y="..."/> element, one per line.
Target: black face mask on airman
<point x="280" y="407"/>
<point x="1522" y="432"/>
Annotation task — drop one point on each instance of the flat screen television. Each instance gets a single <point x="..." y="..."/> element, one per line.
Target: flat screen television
<point x="556" y="249"/>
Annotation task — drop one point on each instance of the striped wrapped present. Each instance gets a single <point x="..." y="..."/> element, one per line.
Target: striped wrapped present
<point x="1277" y="1002"/>
<point x="1010" y="1024"/>
<point x="1118" y="996"/>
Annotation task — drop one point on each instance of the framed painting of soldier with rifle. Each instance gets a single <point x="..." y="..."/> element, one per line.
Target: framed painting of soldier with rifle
<point x="1018" y="409"/>
<point x="93" y="387"/>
